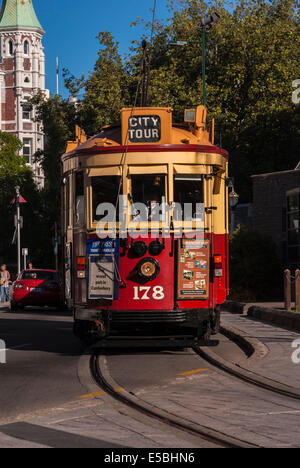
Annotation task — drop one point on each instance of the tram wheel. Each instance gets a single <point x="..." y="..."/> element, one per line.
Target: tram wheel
<point x="215" y="322"/>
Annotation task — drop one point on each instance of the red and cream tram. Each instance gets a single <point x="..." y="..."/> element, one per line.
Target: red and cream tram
<point x="146" y="228"/>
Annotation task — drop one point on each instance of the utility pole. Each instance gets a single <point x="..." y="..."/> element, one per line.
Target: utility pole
<point x="205" y="25"/>
<point x="18" y="228"/>
<point x="57" y="76"/>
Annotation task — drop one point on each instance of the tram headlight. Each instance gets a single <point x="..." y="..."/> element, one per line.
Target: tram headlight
<point x="139" y="248"/>
<point x="148" y="269"/>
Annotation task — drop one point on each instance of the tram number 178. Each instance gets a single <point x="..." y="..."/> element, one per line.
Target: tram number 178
<point x="144" y="293"/>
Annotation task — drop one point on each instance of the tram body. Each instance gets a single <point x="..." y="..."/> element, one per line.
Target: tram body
<point x="163" y="275"/>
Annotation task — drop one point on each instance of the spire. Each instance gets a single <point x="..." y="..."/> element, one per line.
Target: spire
<point x="18" y="14"/>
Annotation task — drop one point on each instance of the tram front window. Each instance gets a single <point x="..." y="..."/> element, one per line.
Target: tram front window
<point x="189" y="194"/>
<point x="105" y="190"/>
<point x="148" y="190"/>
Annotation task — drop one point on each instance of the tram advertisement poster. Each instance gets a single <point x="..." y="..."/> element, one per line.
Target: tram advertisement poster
<point x="103" y="257"/>
<point x="193" y="269"/>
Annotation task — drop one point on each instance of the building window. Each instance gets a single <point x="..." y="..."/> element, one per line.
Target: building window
<point x="26" y="112"/>
<point x="27" y="149"/>
<point x="10" y="48"/>
<point x="26" y="48"/>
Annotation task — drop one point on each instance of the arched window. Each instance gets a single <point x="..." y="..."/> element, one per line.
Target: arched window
<point x="11" y="47"/>
<point x="26" y="47"/>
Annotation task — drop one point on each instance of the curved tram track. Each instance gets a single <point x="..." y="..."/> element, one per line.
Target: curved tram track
<point x="250" y="347"/>
<point x="105" y="381"/>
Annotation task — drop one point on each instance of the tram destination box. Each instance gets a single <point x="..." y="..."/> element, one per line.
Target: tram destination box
<point x="146" y="126"/>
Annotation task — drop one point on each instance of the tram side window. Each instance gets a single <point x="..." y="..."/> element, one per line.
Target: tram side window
<point x="189" y="196"/>
<point x="67" y="202"/>
<point x="79" y="198"/>
<point x="106" y="190"/>
<point x="150" y="191"/>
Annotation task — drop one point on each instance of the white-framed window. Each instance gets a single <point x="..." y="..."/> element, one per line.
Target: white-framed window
<point x="26" y="111"/>
<point x="26" y="48"/>
<point x="27" y="149"/>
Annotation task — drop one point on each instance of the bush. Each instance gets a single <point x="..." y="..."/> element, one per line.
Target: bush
<point x="255" y="269"/>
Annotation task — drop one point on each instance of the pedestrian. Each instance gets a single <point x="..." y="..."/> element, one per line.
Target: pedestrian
<point x="30" y="266"/>
<point x="4" y="281"/>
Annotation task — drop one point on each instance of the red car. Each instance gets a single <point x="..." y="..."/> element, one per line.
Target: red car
<point x="36" y="288"/>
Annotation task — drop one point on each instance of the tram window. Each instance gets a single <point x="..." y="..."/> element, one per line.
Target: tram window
<point x="79" y="198"/>
<point x="189" y="193"/>
<point x="105" y="190"/>
<point x="150" y="191"/>
<point x="67" y="202"/>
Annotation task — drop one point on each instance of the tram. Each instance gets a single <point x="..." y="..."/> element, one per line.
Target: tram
<point x="145" y="227"/>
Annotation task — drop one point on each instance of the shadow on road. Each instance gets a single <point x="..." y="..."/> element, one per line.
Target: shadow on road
<point x="40" y="330"/>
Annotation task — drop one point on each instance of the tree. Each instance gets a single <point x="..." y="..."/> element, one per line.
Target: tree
<point x="13" y="172"/>
<point x="106" y="88"/>
<point x="252" y="60"/>
<point x="58" y="118"/>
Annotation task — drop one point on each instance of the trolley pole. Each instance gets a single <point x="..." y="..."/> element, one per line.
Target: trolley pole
<point x="204" y="65"/>
<point x="18" y="228"/>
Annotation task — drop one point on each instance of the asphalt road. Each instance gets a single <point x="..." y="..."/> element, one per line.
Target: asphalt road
<point x="42" y="359"/>
<point x="42" y="356"/>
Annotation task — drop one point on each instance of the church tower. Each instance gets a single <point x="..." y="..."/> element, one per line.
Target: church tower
<point x="22" y="74"/>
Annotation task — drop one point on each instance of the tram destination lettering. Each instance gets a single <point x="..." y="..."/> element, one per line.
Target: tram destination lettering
<point x="144" y="129"/>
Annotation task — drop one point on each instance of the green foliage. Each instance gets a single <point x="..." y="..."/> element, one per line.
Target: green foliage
<point x="58" y="118"/>
<point x="13" y="172"/>
<point x="255" y="270"/>
<point x="252" y="60"/>
<point x="105" y="88"/>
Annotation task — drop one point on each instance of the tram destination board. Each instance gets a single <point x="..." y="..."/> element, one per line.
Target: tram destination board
<point x="193" y="269"/>
<point x="144" y="129"/>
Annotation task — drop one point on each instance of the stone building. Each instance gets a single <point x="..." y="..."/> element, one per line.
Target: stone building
<point x="276" y="212"/>
<point x="22" y="73"/>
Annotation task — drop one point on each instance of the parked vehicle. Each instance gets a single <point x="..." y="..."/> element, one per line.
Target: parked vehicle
<point x="36" y="288"/>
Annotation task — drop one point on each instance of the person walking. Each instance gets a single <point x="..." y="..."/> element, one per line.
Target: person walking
<point x="4" y="281"/>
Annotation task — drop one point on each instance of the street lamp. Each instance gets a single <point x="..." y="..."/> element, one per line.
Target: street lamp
<point x="206" y="24"/>
<point x="233" y="199"/>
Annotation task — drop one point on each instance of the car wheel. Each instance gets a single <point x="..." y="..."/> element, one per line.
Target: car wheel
<point x="14" y="307"/>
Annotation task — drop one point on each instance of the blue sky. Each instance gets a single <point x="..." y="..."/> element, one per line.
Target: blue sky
<point x="72" y="26"/>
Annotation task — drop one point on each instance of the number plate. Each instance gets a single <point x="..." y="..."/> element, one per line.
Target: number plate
<point x="36" y="290"/>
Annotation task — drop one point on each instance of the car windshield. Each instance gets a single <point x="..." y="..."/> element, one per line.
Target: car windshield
<point x="39" y="275"/>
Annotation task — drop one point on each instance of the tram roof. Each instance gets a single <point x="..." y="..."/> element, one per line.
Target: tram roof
<point x="188" y="136"/>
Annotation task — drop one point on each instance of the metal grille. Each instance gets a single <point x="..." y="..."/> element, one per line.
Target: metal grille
<point x="149" y="316"/>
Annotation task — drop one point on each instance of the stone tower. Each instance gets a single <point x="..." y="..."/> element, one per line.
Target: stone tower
<point x="22" y="73"/>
